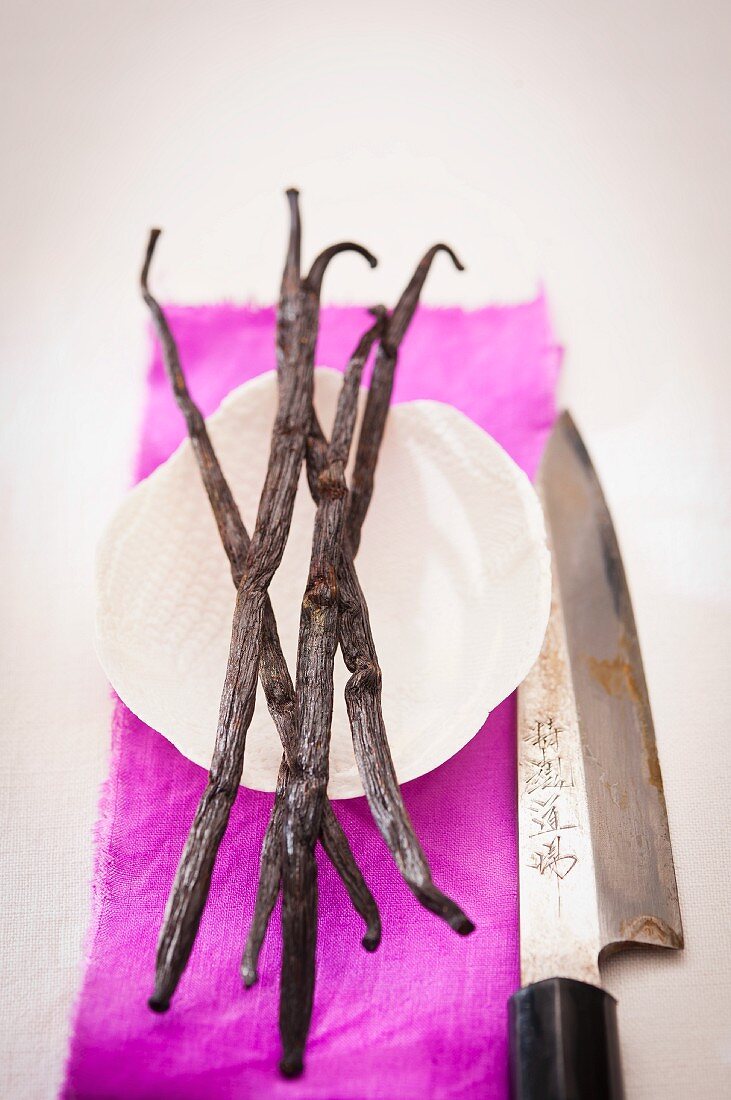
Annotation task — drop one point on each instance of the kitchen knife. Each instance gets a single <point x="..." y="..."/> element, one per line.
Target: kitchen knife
<point x="595" y="862"/>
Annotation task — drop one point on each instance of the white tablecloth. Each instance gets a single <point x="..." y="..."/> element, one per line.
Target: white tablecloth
<point x="579" y="143"/>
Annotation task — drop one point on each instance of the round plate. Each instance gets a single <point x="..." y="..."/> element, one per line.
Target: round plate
<point x="453" y="563"/>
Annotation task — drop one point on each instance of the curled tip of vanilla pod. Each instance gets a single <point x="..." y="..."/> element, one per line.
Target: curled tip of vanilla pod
<point x="406" y="306"/>
<point x="320" y="264"/>
<point x="450" y="252"/>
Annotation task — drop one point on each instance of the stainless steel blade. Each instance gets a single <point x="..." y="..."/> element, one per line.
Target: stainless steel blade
<point x="596" y="865"/>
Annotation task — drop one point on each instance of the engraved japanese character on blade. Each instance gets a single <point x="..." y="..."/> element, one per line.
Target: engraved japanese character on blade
<point x="545" y="781"/>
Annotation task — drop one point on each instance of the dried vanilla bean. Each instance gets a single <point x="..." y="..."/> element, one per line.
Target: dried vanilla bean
<point x="192" y="880"/>
<point x="318" y="640"/>
<point x="363" y="690"/>
<point x="373" y="755"/>
<point x="299" y="303"/>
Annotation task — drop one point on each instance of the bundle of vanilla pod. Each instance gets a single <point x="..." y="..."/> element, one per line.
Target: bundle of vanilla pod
<point x="301" y="814"/>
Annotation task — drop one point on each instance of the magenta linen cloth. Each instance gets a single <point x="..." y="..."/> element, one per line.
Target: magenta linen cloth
<point x="426" y="1015"/>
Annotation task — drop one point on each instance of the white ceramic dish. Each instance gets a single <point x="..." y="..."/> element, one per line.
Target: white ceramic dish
<point x="453" y="563"/>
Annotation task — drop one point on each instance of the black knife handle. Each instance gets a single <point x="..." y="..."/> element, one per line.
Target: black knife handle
<point x="564" y="1043"/>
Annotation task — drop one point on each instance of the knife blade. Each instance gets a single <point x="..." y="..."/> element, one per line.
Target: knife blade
<point x="596" y="866"/>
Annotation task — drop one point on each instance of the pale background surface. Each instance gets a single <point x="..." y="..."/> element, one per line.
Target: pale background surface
<point x="583" y="143"/>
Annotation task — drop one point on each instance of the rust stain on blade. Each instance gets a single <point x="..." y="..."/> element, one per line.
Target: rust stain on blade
<point x="652" y="760"/>
<point x="650" y="930"/>
<point x="617" y="678"/>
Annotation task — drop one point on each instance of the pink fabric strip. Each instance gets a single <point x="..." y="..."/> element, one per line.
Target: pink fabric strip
<point x="426" y="1015"/>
